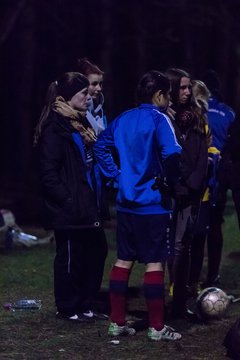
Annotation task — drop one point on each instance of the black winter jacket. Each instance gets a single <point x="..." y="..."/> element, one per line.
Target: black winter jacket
<point x="69" y="199"/>
<point x="194" y="160"/>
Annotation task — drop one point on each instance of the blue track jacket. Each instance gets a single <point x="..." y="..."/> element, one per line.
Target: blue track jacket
<point x="220" y="117"/>
<point x="144" y="138"/>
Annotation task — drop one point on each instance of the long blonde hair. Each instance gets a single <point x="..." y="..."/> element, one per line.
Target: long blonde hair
<point x="200" y="97"/>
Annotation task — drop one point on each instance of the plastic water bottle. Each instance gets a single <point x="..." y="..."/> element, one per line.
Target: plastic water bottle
<point x="23" y="238"/>
<point x="24" y="304"/>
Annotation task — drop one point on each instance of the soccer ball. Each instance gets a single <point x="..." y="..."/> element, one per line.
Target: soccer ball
<point x="212" y="303"/>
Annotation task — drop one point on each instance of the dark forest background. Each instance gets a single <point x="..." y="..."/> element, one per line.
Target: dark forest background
<point x="39" y="39"/>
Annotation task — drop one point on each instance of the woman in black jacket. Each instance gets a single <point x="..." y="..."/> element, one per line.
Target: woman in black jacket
<point x="68" y="182"/>
<point x="191" y="134"/>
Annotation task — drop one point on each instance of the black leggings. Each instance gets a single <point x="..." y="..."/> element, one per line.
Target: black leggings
<point x="209" y="227"/>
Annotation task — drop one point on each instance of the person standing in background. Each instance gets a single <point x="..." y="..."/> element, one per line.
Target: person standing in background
<point x="191" y="135"/>
<point x="201" y="95"/>
<point x="95" y="113"/>
<point x="220" y="117"/>
<point x="232" y="153"/>
<point x="97" y="118"/>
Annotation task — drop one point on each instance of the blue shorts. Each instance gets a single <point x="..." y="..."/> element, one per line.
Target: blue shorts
<point x="145" y="238"/>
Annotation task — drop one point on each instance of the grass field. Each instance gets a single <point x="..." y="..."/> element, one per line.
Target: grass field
<point x="27" y="273"/>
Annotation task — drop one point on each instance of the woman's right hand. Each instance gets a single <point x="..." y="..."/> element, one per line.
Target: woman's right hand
<point x="171" y="113"/>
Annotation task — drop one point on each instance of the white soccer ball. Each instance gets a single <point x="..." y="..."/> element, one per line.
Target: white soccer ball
<point x="212" y="303"/>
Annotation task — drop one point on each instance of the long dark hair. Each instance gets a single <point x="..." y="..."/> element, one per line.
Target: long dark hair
<point x="175" y="75"/>
<point x="189" y="110"/>
<point x="149" y="84"/>
<point x="65" y="86"/>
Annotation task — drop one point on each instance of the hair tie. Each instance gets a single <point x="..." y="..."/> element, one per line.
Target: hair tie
<point x="56" y="83"/>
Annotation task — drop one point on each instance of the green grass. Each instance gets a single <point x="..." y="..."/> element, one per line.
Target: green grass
<point x="27" y="273"/>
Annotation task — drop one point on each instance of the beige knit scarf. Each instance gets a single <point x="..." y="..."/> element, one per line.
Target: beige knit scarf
<point x="77" y="120"/>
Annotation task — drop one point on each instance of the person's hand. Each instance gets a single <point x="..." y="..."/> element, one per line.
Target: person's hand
<point x="171" y="113"/>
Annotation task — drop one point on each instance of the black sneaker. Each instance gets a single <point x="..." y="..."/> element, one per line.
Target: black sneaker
<point x="214" y="281"/>
<point x="78" y="318"/>
<point x="186" y="314"/>
<point x="193" y="317"/>
<point x="95" y="315"/>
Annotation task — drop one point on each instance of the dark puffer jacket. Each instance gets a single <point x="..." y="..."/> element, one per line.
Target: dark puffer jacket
<point x="69" y="199"/>
<point x="194" y="160"/>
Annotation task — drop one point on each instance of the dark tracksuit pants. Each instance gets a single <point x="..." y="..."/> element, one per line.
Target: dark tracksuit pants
<point x="180" y="267"/>
<point x="228" y="176"/>
<point x="198" y="242"/>
<point x="215" y="235"/>
<point x="209" y="227"/>
<point x="78" y="268"/>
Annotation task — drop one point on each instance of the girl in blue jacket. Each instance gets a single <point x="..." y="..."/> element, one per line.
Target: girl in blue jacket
<point x="147" y="148"/>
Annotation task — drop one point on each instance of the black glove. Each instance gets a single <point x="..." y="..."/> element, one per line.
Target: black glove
<point x="165" y="191"/>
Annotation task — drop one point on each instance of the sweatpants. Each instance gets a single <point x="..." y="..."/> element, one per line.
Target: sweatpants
<point x="78" y="268"/>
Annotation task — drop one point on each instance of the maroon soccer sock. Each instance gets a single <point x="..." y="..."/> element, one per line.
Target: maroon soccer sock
<point x="118" y="294"/>
<point x="154" y="295"/>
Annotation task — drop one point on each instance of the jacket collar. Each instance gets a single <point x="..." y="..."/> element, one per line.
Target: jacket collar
<point x="149" y="106"/>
